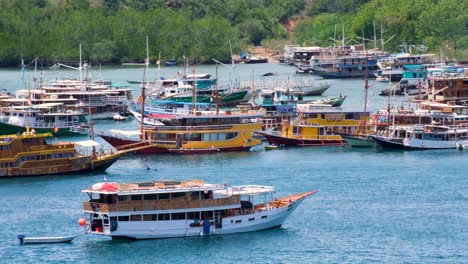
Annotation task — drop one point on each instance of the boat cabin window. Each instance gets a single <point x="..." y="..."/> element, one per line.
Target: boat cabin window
<point x="136" y="197"/>
<point x="194" y="195"/>
<point x="177" y="195"/>
<point x="135" y="218"/>
<point x="124" y="198"/>
<point x="193" y="215"/>
<point x="163" y="196"/>
<point x="178" y="216"/>
<point x="107" y="198"/>
<point x="150" y="217"/>
<point x="123" y="218"/>
<point x="147" y="197"/>
<point x="6" y="147"/>
<point x="163" y="217"/>
<point x="207" y="195"/>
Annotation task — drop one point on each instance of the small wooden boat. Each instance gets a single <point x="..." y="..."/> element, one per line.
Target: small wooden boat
<point x="44" y="240"/>
<point x="119" y="117"/>
<point x="171" y="62"/>
<point x="271" y="147"/>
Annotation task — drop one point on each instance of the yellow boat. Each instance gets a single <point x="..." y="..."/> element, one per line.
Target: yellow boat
<point x="318" y="128"/>
<point x="28" y="154"/>
<point x="198" y="133"/>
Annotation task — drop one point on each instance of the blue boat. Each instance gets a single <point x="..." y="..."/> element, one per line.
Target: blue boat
<point x="171" y="62"/>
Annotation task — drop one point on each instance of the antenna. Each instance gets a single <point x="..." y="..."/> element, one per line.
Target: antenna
<point x="375" y="35"/>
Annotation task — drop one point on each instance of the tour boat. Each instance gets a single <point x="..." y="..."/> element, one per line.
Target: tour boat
<point x="192" y="133"/>
<point x="169" y="208"/>
<point x="428" y="137"/>
<point x="28" y="154"/>
<point x="317" y="128"/>
<point x="43" y="118"/>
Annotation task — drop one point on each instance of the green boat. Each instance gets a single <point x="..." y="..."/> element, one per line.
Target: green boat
<point x="43" y="118"/>
<point x="225" y="99"/>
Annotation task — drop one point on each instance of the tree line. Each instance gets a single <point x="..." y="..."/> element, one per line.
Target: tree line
<point x="114" y="31"/>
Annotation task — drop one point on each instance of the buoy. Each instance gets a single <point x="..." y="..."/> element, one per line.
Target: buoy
<point x="56" y="130"/>
<point x="82" y="221"/>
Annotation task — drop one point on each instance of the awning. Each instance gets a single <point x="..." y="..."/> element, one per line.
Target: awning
<point x="87" y="143"/>
<point x="126" y="133"/>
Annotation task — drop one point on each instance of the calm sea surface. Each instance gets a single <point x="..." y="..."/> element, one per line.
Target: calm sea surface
<point x="373" y="206"/>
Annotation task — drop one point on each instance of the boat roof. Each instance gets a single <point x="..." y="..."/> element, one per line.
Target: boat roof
<point x="173" y="186"/>
<point x="160" y="186"/>
<point x="126" y="133"/>
<point x="38" y="106"/>
<point x="87" y="143"/>
<point x="8" y="138"/>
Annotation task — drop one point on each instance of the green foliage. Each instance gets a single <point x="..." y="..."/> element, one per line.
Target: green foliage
<point x="113" y="31"/>
<point x="434" y="23"/>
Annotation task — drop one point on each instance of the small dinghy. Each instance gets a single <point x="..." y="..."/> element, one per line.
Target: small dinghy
<point x="271" y="147"/>
<point x="44" y="240"/>
<point x="119" y="117"/>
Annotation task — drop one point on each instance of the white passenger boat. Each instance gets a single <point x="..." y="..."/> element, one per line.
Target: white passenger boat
<point x="163" y="209"/>
<point x="44" y="240"/>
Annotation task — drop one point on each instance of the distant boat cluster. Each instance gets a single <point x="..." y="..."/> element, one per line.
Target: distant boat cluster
<point x="198" y="114"/>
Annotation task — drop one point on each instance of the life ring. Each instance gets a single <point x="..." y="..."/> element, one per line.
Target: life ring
<point x="55" y="169"/>
<point x="50" y="170"/>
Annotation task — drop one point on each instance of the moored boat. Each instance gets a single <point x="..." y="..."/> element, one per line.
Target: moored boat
<point x="169" y="208"/>
<point x="45" y="240"/>
<point x="29" y="154"/>
<point x="198" y="132"/>
<point x="317" y="128"/>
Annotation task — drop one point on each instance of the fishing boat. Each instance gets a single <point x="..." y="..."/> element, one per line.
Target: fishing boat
<point x="359" y="140"/>
<point x="170" y="208"/>
<point x="317" y="128"/>
<point x="332" y="101"/>
<point x="29" y="154"/>
<point x="310" y="88"/>
<point x="353" y="66"/>
<point x="252" y="60"/>
<point x="431" y="137"/>
<point x="44" y="240"/>
<point x="196" y="132"/>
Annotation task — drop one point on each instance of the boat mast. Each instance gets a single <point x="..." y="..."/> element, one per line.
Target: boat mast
<point x="85" y="87"/>
<point x="194" y="92"/>
<point x="216" y="93"/>
<point x="143" y="88"/>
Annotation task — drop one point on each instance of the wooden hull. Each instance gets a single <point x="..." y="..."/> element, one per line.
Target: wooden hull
<point x="356" y="141"/>
<point x="280" y="140"/>
<point x="388" y="143"/>
<point x="71" y="166"/>
<point x="121" y="144"/>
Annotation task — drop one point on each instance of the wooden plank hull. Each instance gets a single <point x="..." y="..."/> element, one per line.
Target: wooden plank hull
<point x="121" y="144"/>
<point x="280" y="140"/>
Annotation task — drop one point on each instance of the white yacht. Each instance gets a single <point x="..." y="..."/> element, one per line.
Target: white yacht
<point x="168" y="208"/>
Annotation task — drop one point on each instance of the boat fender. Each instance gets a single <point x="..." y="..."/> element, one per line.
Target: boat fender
<point x="21" y="239"/>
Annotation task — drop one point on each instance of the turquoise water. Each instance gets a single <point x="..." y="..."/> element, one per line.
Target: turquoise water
<point x="373" y="206"/>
